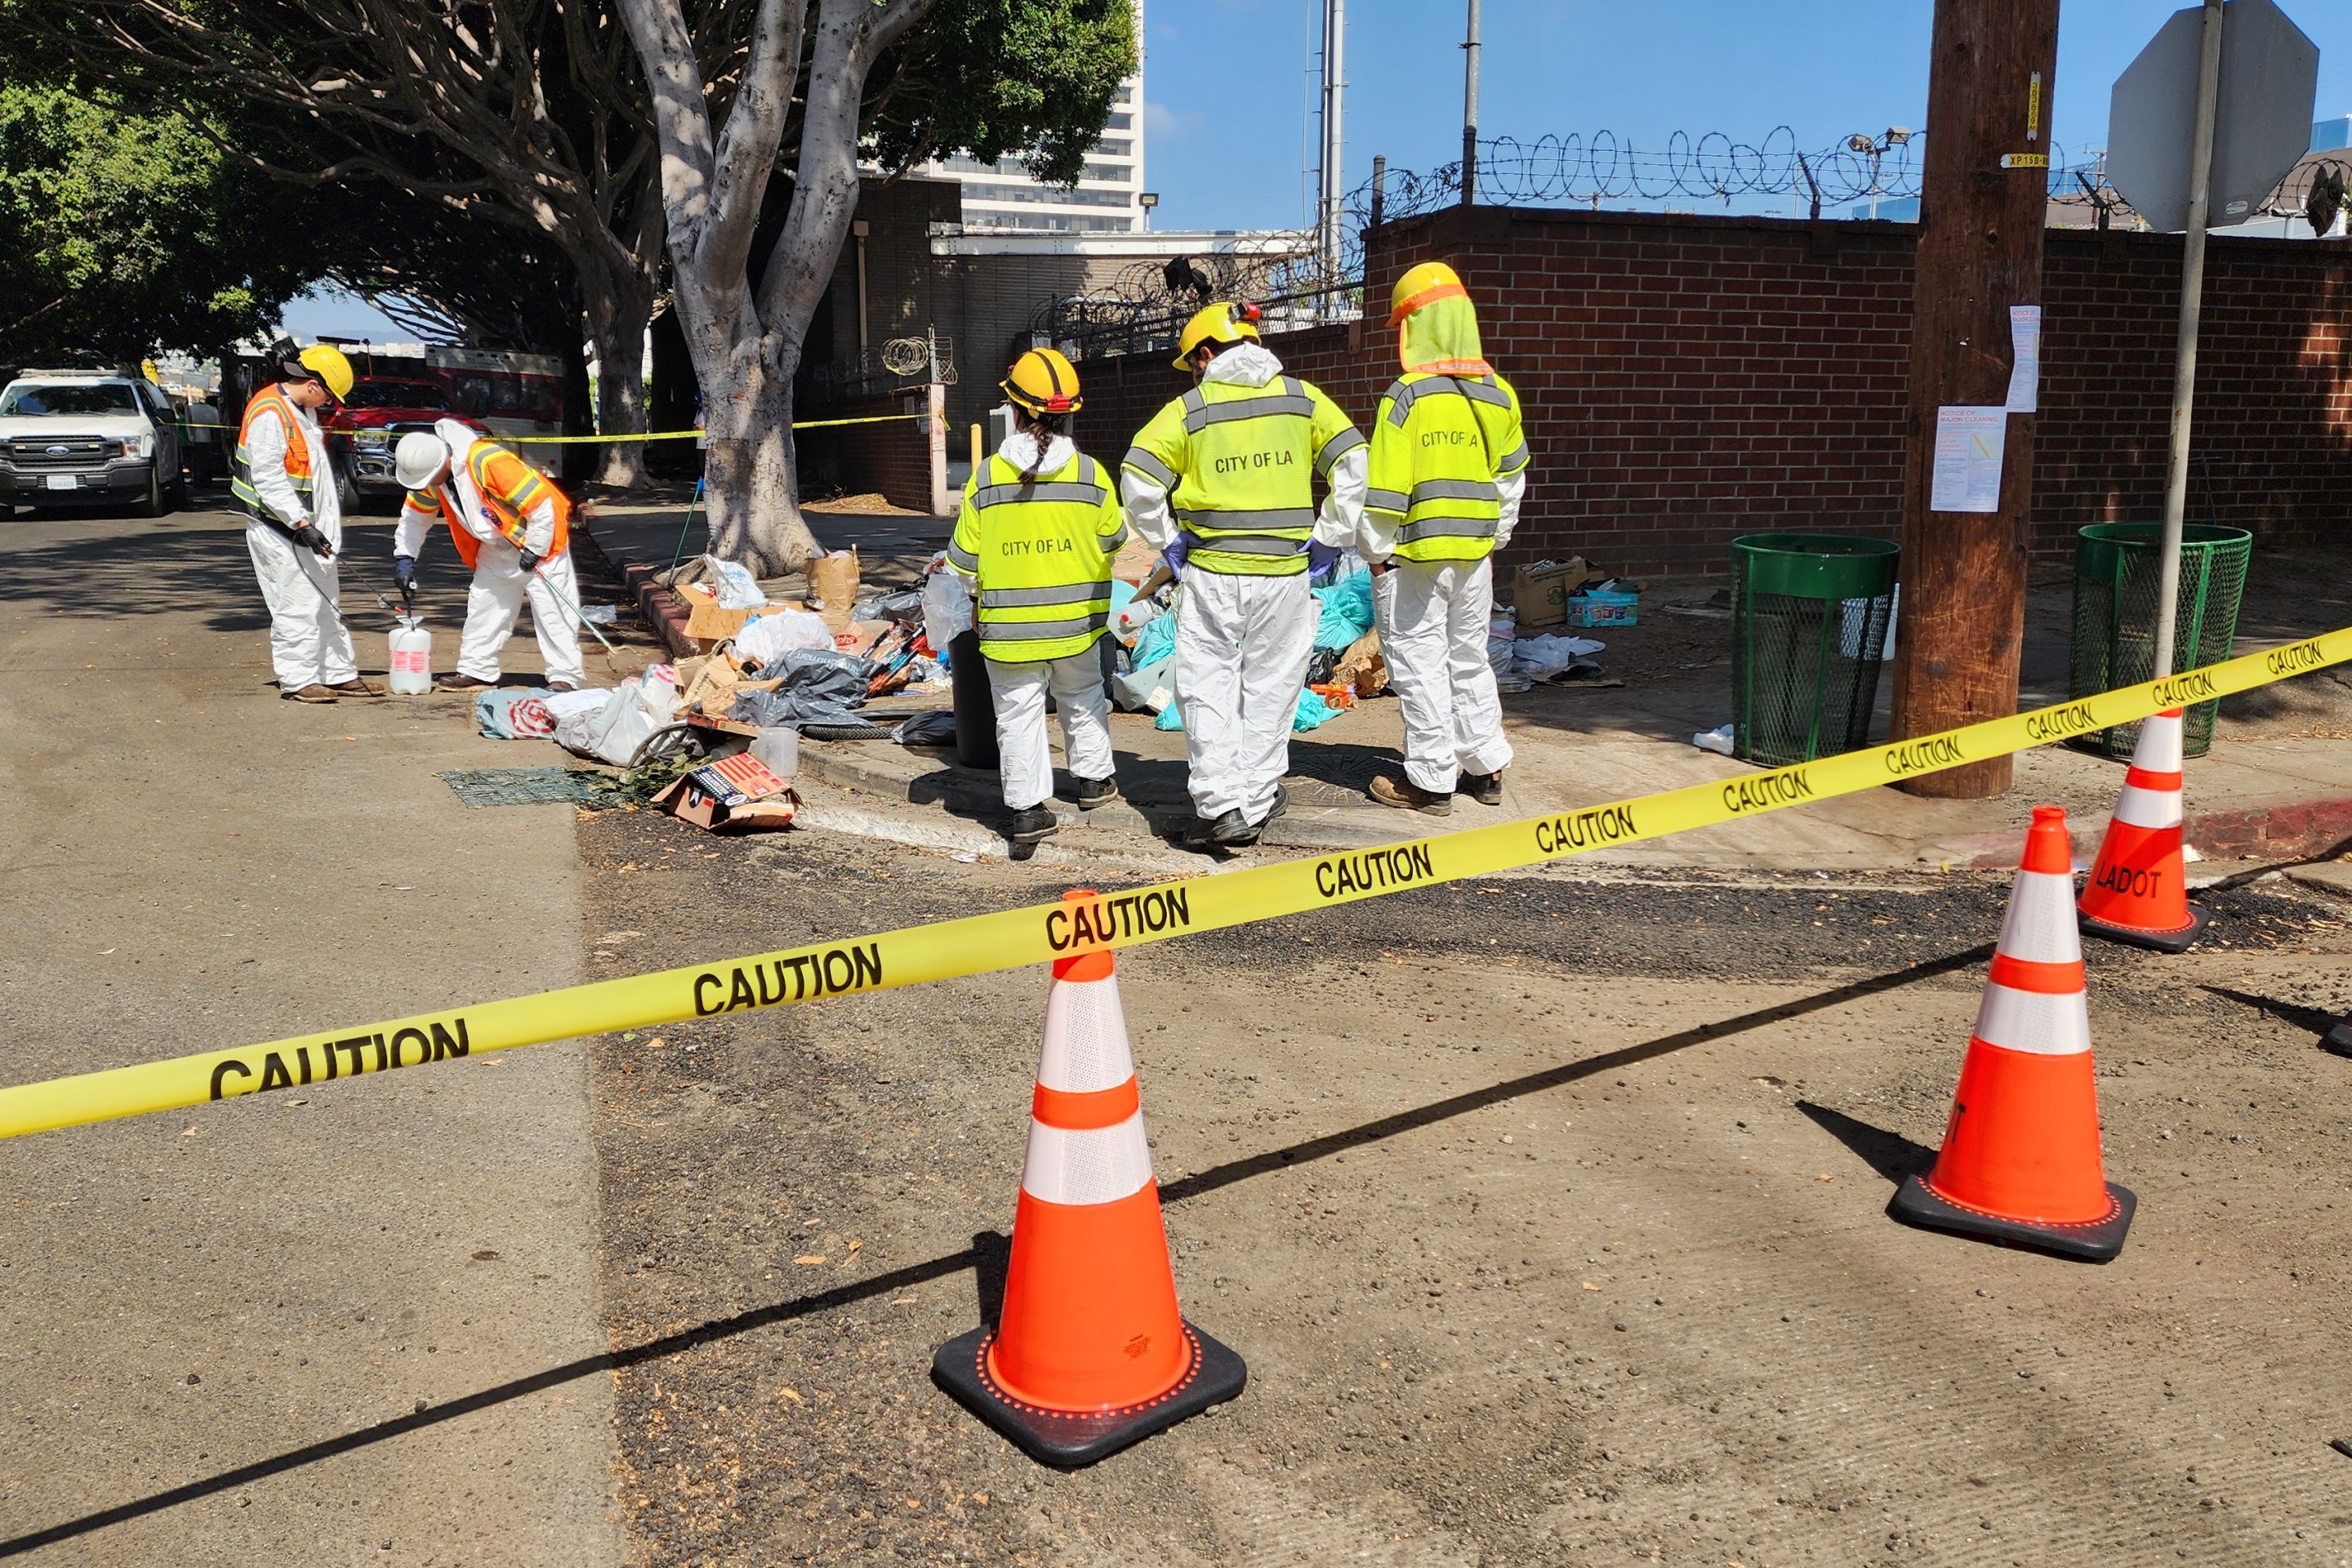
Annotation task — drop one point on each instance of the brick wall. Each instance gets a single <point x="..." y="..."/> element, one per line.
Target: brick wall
<point x="1689" y="379"/>
<point x="894" y="458"/>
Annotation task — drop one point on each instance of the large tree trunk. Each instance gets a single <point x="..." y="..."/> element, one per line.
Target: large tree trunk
<point x="751" y="476"/>
<point x="618" y="312"/>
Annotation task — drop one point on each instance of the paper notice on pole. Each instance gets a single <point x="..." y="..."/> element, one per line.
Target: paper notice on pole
<point x="1968" y="442"/>
<point x="2025" y="358"/>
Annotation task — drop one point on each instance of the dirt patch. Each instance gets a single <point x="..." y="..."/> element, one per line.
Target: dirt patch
<point x="1549" y="1214"/>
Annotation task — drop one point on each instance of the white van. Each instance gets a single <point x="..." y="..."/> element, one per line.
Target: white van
<point x="89" y="438"/>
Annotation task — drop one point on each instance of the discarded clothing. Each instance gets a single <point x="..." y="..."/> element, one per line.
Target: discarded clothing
<point x="514" y="713"/>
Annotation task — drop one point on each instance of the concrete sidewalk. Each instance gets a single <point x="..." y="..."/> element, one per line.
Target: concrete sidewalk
<point x="2277" y="784"/>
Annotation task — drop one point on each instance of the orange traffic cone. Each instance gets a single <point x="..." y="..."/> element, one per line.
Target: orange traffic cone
<point x="2138" y="892"/>
<point x="1090" y="1353"/>
<point x="2021" y="1157"/>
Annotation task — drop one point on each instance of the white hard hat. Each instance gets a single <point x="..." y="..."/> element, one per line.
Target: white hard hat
<point x="419" y="458"/>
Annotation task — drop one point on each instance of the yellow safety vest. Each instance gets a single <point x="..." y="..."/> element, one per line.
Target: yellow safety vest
<point x="1039" y="555"/>
<point x="1237" y="462"/>
<point x="1438" y="446"/>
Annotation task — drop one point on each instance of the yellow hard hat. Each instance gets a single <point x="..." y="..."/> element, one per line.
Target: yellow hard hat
<point x="1430" y="281"/>
<point x="327" y="362"/>
<point x="1223" y="322"/>
<point x="1042" y="382"/>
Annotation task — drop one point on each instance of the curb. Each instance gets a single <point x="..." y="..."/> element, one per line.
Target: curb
<point x="2295" y="830"/>
<point x="976" y="797"/>
<point x="663" y="610"/>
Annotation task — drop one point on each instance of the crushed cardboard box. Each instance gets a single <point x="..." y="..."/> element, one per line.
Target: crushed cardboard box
<point x="735" y="794"/>
<point x="1540" y="593"/>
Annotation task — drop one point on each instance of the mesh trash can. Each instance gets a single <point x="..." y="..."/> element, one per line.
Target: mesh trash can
<point x="2116" y="567"/>
<point x="1809" y="618"/>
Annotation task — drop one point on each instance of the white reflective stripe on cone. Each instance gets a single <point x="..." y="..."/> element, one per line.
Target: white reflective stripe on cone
<point x="2148" y="807"/>
<point x="1100" y="1166"/>
<point x="1086" y="1038"/>
<point x="2158" y="747"/>
<point x="2041" y="923"/>
<point x="2035" y="1021"/>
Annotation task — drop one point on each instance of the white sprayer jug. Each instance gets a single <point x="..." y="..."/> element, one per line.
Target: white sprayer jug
<point x="412" y="657"/>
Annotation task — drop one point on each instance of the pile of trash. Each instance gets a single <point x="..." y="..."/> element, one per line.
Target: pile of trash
<point x="1345" y="665"/>
<point x="1519" y="662"/>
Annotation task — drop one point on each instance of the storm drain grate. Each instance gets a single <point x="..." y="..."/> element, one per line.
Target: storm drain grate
<point x="534" y="787"/>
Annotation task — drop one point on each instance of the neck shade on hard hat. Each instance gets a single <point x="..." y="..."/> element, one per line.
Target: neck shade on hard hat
<point x="1439" y="337"/>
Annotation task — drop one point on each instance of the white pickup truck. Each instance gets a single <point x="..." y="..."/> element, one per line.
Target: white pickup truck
<point x="89" y="438"/>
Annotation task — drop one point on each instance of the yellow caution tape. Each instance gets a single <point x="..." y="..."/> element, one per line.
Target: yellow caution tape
<point x="511" y="438"/>
<point x="1013" y="938"/>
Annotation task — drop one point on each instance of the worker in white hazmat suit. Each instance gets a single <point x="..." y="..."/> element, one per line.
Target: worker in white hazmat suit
<point x="282" y="476"/>
<point x="1038" y="530"/>
<point x="1449" y="467"/>
<point x="1222" y="483"/>
<point x="513" y="527"/>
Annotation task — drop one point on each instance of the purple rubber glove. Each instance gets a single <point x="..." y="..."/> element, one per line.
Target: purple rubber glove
<point x="1177" y="553"/>
<point x="1321" y="561"/>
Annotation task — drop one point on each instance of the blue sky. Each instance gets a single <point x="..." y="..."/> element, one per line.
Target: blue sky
<point x="1227" y="80"/>
<point x="1226" y="84"/>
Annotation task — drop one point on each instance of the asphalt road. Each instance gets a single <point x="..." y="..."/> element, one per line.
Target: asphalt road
<point x="1549" y="1214"/>
<point x="1549" y="1211"/>
<point x="210" y="1316"/>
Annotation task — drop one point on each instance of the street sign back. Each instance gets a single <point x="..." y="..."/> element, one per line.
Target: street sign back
<point x="2269" y="77"/>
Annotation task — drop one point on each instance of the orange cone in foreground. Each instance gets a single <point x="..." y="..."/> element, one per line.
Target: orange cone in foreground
<point x="2021" y="1157"/>
<point x="2138" y="892"/>
<point x="1090" y="1353"/>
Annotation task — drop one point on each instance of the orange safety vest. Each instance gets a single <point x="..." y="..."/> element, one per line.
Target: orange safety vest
<point x="511" y="487"/>
<point x="269" y="399"/>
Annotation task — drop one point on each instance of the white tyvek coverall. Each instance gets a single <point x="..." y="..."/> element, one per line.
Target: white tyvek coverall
<point x="308" y="643"/>
<point x="1243" y="644"/>
<point x="1024" y="758"/>
<point x="1431" y="616"/>
<point x="495" y="601"/>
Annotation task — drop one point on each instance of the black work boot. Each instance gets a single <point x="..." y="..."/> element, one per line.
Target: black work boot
<point x="1486" y="789"/>
<point x="1093" y="793"/>
<point x="1207" y="832"/>
<point x="1031" y="824"/>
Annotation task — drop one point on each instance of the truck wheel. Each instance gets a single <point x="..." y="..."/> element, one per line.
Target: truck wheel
<point x="159" y="499"/>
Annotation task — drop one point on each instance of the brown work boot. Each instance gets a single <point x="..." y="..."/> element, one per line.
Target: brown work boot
<point x="460" y="683"/>
<point x="314" y="692"/>
<point x="356" y="687"/>
<point x="1407" y="796"/>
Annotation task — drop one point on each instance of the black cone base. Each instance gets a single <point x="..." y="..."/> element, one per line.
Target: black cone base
<point x="2339" y="1038"/>
<point x="1918" y="1204"/>
<point x="2160" y="941"/>
<point x="1069" y="1440"/>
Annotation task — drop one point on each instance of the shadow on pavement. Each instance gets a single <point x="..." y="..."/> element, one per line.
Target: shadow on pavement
<point x="2310" y="1020"/>
<point x="1894" y="1157"/>
<point x="989" y="1251"/>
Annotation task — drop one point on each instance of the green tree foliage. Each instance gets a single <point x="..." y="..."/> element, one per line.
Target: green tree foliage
<point x="994" y="77"/>
<point x="130" y="232"/>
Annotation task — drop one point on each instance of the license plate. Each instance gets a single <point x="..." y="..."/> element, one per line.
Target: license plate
<point x="64" y="482"/>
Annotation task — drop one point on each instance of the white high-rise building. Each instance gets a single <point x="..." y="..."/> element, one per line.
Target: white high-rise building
<point x="1002" y="198"/>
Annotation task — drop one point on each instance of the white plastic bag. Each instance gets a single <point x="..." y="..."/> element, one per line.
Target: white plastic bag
<point x="947" y="605"/>
<point x="564" y="704"/>
<point x="632" y="711"/>
<point x="766" y="638"/>
<point x="738" y="589"/>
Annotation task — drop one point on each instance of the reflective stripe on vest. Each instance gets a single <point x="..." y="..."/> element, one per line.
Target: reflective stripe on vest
<point x="504" y="503"/>
<point x="270" y="398"/>
<point x="1454" y="508"/>
<point x="1044" y="565"/>
<point x="1247" y="505"/>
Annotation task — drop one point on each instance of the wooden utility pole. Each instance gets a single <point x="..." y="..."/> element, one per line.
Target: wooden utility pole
<point x="1962" y="623"/>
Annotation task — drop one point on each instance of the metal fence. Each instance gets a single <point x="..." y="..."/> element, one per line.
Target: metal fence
<point x="1144" y="309"/>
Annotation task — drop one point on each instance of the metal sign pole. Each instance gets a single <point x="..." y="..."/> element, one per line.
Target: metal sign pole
<point x="1470" y="110"/>
<point x="2184" y="366"/>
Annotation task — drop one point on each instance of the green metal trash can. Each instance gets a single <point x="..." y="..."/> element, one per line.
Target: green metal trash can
<point x="1810" y="618"/>
<point x="2117" y="568"/>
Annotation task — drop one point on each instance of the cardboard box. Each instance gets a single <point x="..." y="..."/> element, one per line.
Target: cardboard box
<point x="834" y="580"/>
<point x="733" y="794"/>
<point x="1610" y="609"/>
<point x="1540" y="593"/>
